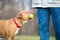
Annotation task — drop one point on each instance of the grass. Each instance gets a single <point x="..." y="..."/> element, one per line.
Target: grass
<point x="31" y="38"/>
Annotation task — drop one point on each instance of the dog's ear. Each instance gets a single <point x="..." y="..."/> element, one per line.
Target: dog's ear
<point x="20" y="16"/>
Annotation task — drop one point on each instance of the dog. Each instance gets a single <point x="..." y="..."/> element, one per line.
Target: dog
<point x="10" y="27"/>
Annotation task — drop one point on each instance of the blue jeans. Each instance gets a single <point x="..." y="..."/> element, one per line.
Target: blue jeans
<point x="44" y="20"/>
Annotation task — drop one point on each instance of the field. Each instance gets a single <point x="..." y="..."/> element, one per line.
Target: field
<point x="31" y="38"/>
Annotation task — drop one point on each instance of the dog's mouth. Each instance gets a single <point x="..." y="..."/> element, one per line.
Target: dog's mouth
<point x="25" y="22"/>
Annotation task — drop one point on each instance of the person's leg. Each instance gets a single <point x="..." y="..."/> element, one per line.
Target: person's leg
<point x="43" y="23"/>
<point x="56" y="21"/>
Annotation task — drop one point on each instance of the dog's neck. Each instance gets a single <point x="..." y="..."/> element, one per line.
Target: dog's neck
<point x="17" y="23"/>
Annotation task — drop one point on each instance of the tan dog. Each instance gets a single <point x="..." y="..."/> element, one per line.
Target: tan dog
<point x="8" y="28"/>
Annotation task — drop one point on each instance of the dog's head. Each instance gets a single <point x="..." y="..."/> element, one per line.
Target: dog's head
<point x="24" y="16"/>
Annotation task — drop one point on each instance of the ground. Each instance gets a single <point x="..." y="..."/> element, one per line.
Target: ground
<point x="31" y="38"/>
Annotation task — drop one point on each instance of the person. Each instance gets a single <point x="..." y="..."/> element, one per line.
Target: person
<point x="44" y="11"/>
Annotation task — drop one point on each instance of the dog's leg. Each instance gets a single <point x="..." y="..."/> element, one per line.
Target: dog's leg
<point x="9" y="39"/>
<point x="12" y="38"/>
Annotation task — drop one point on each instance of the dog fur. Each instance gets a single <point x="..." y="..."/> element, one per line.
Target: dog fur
<point x="7" y="27"/>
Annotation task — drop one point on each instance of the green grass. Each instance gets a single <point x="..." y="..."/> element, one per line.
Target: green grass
<point x="31" y="38"/>
<point x="52" y="38"/>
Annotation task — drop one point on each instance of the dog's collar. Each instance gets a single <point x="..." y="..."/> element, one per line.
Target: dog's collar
<point x="15" y="22"/>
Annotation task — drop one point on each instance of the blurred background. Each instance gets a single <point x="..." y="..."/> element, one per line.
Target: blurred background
<point x="29" y="30"/>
